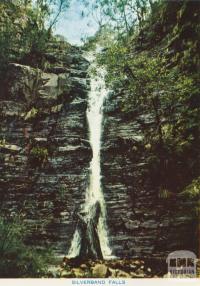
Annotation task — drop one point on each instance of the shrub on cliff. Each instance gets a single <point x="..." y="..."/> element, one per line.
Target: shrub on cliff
<point x="38" y="156"/>
<point x="17" y="259"/>
<point x="26" y="27"/>
<point x="164" y="90"/>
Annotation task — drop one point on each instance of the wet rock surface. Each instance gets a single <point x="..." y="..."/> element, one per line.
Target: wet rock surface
<point x="44" y="146"/>
<point x="45" y="155"/>
<point x="140" y="223"/>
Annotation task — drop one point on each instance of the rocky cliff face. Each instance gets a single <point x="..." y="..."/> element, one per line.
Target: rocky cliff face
<point x="140" y="223"/>
<point x="45" y="155"/>
<point x="44" y="145"/>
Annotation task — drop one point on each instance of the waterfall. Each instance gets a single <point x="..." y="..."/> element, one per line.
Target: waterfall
<point x="94" y="191"/>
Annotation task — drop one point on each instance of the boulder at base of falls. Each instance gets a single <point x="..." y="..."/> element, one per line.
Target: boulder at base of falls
<point x="78" y="272"/>
<point x="115" y="268"/>
<point x="67" y="274"/>
<point x="100" y="271"/>
<point x="122" y="274"/>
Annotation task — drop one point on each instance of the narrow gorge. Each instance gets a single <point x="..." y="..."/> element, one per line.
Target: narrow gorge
<point x="53" y="131"/>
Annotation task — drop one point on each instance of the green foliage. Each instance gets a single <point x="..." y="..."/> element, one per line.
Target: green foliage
<point x="38" y="155"/>
<point x="26" y="27"/>
<point x="10" y="29"/>
<point x="175" y="26"/>
<point x="62" y="192"/>
<point x="151" y="86"/>
<point x="2" y="142"/>
<point x="192" y="192"/>
<point x="168" y="95"/>
<point x="124" y="16"/>
<point x="193" y="189"/>
<point x="31" y="114"/>
<point x="104" y="37"/>
<point x="115" y="58"/>
<point x="17" y="259"/>
<point x="164" y="194"/>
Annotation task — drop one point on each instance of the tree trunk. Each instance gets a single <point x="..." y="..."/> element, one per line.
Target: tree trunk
<point x="87" y="227"/>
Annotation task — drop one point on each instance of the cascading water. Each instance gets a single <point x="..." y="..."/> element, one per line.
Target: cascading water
<point x="94" y="192"/>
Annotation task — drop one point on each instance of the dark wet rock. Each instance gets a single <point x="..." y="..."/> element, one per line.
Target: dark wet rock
<point x="140" y="224"/>
<point x="9" y="108"/>
<point x="132" y="224"/>
<point x="125" y="268"/>
<point x="69" y="71"/>
<point x="45" y="153"/>
<point x="20" y="82"/>
<point x="122" y="274"/>
<point x="79" y="86"/>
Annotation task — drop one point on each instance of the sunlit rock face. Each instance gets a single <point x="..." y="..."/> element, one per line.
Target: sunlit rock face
<point x="139" y="222"/>
<point x="45" y="152"/>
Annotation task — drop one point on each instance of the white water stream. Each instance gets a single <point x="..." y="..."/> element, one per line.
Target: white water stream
<point x="94" y="192"/>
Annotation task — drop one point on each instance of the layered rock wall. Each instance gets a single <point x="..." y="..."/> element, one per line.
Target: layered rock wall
<point x="44" y="146"/>
<point x="140" y="223"/>
<point x="45" y="155"/>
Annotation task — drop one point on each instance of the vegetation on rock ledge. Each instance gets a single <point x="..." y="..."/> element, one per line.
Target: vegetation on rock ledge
<point x="155" y="66"/>
<point x="18" y="259"/>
